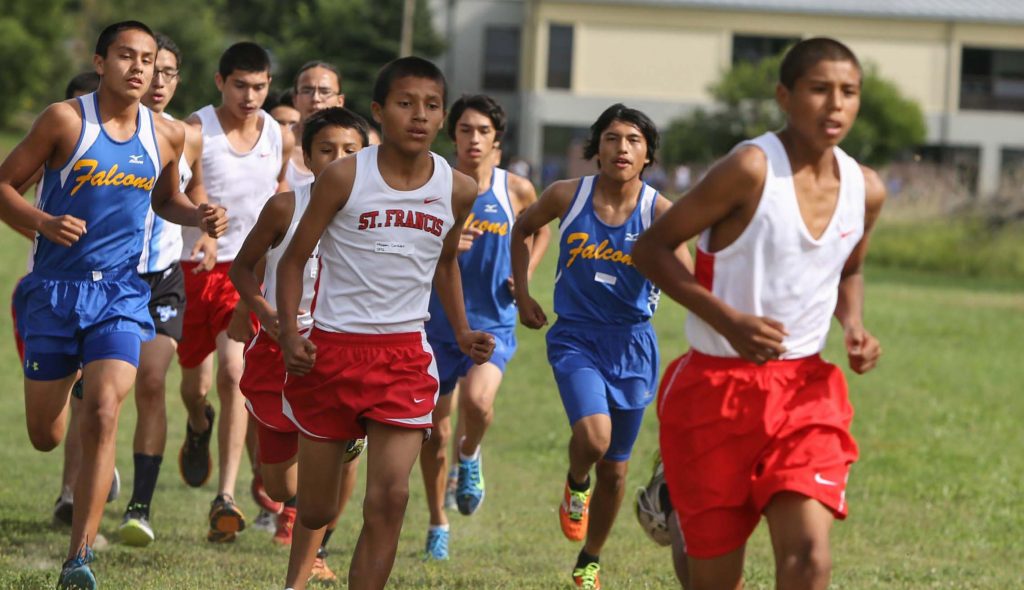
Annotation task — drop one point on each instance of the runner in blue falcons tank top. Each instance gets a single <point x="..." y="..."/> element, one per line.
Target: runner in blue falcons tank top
<point x="477" y="124"/>
<point x="602" y="348"/>
<point x="106" y="159"/>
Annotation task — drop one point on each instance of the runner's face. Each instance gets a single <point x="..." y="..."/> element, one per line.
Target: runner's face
<point x="330" y="144"/>
<point x="243" y="93"/>
<point x="412" y="114"/>
<point x="127" y="69"/>
<point x="823" y="103"/>
<point x="317" y="89"/>
<point x="622" y="152"/>
<point x="285" y="115"/>
<point x="475" y="138"/>
<point x="165" y="82"/>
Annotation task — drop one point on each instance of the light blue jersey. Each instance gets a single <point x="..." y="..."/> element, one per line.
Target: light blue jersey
<point x="596" y="282"/>
<point x="107" y="183"/>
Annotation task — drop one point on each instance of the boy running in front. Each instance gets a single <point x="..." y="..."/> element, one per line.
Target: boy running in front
<point x="386" y="218"/>
<point x="602" y="350"/>
<point x="753" y="421"/>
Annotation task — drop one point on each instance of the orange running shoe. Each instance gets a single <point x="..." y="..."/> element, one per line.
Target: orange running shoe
<point x="574" y="513"/>
<point x="587" y="578"/>
<point x="320" y="571"/>
<point x="285" y="525"/>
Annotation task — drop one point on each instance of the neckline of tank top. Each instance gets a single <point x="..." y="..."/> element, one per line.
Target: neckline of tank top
<point x="636" y="208"/>
<point x="843" y="184"/>
<point x="99" y="119"/>
<point x="231" y="149"/>
<point x="372" y="152"/>
<point x="490" y="185"/>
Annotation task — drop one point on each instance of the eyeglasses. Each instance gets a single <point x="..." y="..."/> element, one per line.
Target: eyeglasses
<point x="314" y="90"/>
<point x="168" y="73"/>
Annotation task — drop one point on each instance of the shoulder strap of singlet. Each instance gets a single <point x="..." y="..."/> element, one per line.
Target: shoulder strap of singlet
<point x="648" y="197"/>
<point x="147" y="135"/>
<point x="90" y="131"/>
<point x="579" y="200"/>
<point x="499" y="186"/>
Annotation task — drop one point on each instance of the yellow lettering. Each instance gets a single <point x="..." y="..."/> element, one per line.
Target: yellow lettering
<point x="120" y="179"/>
<point x="109" y="179"/>
<point x="98" y="178"/>
<point x="84" y="178"/>
<point x="581" y="237"/>
<point x="469" y="220"/>
<point x="590" y="251"/>
<point x="132" y="180"/>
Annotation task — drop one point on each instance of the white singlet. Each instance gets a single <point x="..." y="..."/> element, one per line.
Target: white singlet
<point x="378" y="254"/>
<point x="775" y="268"/>
<point x="163" y="242"/>
<point x="296" y="177"/>
<point x="309" y="273"/>
<point x="240" y="182"/>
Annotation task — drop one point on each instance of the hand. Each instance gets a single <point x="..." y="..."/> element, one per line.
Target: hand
<point x="206" y="246"/>
<point x="862" y="349"/>
<point x="268" y="322"/>
<point x="240" y="328"/>
<point x="299" y="354"/>
<point x="213" y="219"/>
<point x="757" y="339"/>
<point x="64" y="230"/>
<point x="478" y="346"/>
<point x="466" y="238"/>
<point x="530" y="313"/>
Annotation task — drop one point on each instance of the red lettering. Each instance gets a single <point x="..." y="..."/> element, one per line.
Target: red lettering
<point x="368" y="220"/>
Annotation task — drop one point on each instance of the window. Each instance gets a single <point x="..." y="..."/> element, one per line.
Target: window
<point x="501" y="58"/>
<point x="992" y="79"/>
<point x="962" y="161"/>
<point x="753" y="48"/>
<point x="560" y="56"/>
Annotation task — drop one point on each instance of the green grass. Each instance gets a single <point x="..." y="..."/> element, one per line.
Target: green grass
<point x="935" y="501"/>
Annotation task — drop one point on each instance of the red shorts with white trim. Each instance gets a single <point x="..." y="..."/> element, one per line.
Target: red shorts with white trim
<point x="734" y="434"/>
<point x="262" y="384"/>
<point x="387" y="378"/>
<point x="212" y="299"/>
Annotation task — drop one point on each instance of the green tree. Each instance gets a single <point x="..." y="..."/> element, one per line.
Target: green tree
<point x="32" y="48"/>
<point x="887" y="125"/>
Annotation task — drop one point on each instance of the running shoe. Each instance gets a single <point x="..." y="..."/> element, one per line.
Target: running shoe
<point x="469" y="493"/>
<point x="63" y="510"/>
<point x="226" y="520"/>
<point x="115" y="487"/>
<point x="354" y="448"/>
<point x="451" y="487"/>
<point x="587" y="577"/>
<point x="75" y="573"/>
<point x="320" y="571"/>
<point x="265" y="521"/>
<point x="263" y="500"/>
<point x="574" y="513"/>
<point x="437" y="545"/>
<point x="194" y="460"/>
<point x="285" y="526"/>
<point x="135" y="529"/>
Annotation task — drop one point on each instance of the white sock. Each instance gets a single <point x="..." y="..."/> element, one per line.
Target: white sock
<point x="438" y="527"/>
<point x="474" y="456"/>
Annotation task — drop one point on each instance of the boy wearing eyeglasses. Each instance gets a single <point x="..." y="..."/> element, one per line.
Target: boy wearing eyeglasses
<point x="317" y="87"/>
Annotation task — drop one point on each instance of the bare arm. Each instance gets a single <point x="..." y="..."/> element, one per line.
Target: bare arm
<point x="682" y="253"/>
<point x="270" y="228"/>
<point x="288" y="145"/>
<point x="523" y="196"/>
<point x="863" y="349"/>
<point x="733" y="183"/>
<point x="196" y="191"/>
<point x="448" y="279"/>
<point x="167" y="199"/>
<point x="553" y="203"/>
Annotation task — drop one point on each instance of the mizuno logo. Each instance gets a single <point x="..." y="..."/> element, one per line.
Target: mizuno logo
<point x="430" y="200"/>
<point x="133" y="159"/>
<point x="825" y="482"/>
<point x="632" y="237"/>
<point x="490" y="208"/>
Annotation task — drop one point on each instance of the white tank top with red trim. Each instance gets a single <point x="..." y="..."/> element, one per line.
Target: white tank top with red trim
<point x="378" y="254"/>
<point x="309" y="274"/>
<point x="775" y="268"/>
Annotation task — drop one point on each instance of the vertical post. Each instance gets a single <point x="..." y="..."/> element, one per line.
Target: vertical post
<point x="408" y="12"/>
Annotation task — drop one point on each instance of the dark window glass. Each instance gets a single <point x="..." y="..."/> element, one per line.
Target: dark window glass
<point x="992" y="79"/>
<point x="754" y="48"/>
<point x="501" y="58"/>
<point x="560" y="56"/>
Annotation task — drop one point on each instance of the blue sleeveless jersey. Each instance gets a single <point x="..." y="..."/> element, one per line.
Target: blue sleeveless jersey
<point x="485" y="267"/>
<point x="595" y="280"/>
<point x="107" y="183"/>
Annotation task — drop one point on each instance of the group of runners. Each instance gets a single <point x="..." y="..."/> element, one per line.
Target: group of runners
<point x="316" y="260"/>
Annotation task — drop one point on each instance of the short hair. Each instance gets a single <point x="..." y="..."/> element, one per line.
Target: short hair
<point x="333" y="117"/>
<point x="163" y="42"/>
<point x="110" y="33"/>
<point x="309" y="65"/>
<point x="85" y="83"/>
<point x="620" y="112"/>
<point x="483" y="104"/>
<point x="281" y="99"/>
<point x="245" y="56"/>
<point x="407" y="67"/>
<point x="807" y="53"/>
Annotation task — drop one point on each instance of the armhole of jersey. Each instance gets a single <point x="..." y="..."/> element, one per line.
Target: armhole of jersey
<point x="769" y="173"/>
<point x="503" y="195"/>
<point x="358" y="179"/>
<point x="647" y="201"/>
<point x="87" y="134"/>
<point x="153" y="144"/>
<point x="583" y="190"/>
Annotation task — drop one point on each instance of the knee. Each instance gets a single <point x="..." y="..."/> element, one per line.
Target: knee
<point x="595" y="443"/>
<point x="315" y="517"/>
<point x="440" y="434"/>
<point x="149" y="388"/>
<point x="278" y="489"/>
<point x="45" y="438"/>
<point x="611" y="475"/>
<point x="228" y="376"/>
<point x="386" y="504"/>
<point x="807" y="565"/>
<point x="99" y="419"/>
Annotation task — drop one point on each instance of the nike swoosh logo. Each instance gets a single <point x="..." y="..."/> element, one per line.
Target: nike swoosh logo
<point x="430" y="200"/>
<point x="825" y="482"/>
<point x="843" y="234"/>
<point x="418" y="401"/>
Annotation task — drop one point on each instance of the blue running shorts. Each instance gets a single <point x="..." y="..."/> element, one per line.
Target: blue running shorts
<point x="453" y="365"/>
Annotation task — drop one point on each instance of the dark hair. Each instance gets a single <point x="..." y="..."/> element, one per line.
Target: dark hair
<point x="85" y="82"/>
<point x="407" y="67"/>
<point x="281" y="99"/>
<point x="164" y="42"/>
<point x="483" y="104"/>
<point x="333" y="117"/>
<point x="309" y="65"/>
<point x="807" y="53"/>
<point x="620" y="112"/>
<point x="109" y="34"/>
<point x="245" y="56"/>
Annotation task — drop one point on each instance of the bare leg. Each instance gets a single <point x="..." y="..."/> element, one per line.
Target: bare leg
<point x="718" y="573"/>
<point x="679" y="562"/>
<point x="150" y="395"/>
<point x="591" y="436"/>
<point x="800" y="529"/>
<point x="195" y="384"/>
<point x="476" y="409"/>
<point x="434" y="461"/>
<point x="72" y="452"/>
<point x="234" y="420"/>
<point x="605" y="503"/>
